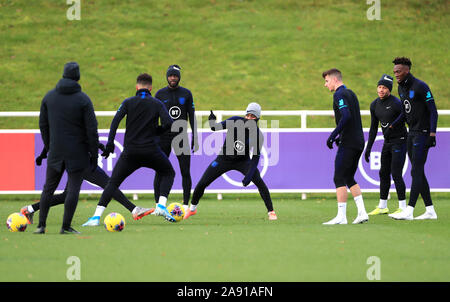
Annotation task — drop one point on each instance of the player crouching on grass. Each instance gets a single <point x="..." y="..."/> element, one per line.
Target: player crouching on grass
<point x="243" y="135"/>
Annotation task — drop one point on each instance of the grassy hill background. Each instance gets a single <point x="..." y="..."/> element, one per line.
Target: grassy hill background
<point x="231" y="52"/>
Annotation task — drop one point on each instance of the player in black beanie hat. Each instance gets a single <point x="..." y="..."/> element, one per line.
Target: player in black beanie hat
<point x="386" y="80"/>
<point x="387" y="110"/>
<point x="173" y="70"/>
<point x="180" y="104"/>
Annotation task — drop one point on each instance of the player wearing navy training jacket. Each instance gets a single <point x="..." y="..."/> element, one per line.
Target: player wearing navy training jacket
<point x="421" y="117"/>
<point x="243" y="135"/>
<point x="180" y="104"/>
<point x="348" y="135"/>
<point x="387" y="110"/>
<point x="141" y="144"/>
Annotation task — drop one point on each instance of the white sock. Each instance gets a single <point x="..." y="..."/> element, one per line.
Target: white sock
<point x="342" y="209"/>
<point x="193" y="207"/>
<point x="30" y="209"/>
<point x="382" y="204"/>
<point x="409" y="210"/>
<point x="360" y="204"/>
<point x="99" y="211"/>
<point x="402" y="204"/>
<point x="430" y="209"/>
<point x="162" y="200"/>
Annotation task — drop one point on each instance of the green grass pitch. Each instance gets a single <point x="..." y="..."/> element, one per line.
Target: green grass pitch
<point x="232" y="240"/>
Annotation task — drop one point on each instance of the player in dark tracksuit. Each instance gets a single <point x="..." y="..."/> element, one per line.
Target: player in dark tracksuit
<point x="141" y="143"/>
<point x="180" y="104"/>
<point x="388" y="110"/>
<point x="97" y="177"/>
<point x="243" y="136"/>
<point x="421" y="117"/>
<point x="348" y="135"/>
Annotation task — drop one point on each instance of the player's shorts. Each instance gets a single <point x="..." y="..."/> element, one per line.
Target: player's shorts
<point x="345" y="166"/>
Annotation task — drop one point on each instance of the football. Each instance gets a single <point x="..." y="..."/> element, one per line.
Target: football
<point x="176" y="210"/>
<point x="114" y="222"/>
<point x="16" y="222"/>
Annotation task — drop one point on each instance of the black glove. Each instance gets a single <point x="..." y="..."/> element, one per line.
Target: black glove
<point x="101" y="147"/>
<point x="431" y="141"/>
<point x="367" y="155"/>
<point x="330" y="142"/>
<point x="387" y="131"/>
<point x="41" y="157"/>
<point x="194" y="143"/>
<point x="108" y="150"/>
<point x="337" y="141"/>
<point x="212" y="117"/>
<point x="93" y="162"/>
<point x="246" y="181"/>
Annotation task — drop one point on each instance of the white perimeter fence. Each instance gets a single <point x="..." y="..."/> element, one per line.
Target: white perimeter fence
<point x="302" y="114"/>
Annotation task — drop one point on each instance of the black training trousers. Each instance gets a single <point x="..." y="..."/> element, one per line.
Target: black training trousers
<point x="393" y="157"/>
<point x="53" y="177"/>
<point x="417" y="153"/>
<point x="130" y="161"/>
<point x="220" y="166"/>
<point x="184" y="159"/>
<point x="97" y="177"/>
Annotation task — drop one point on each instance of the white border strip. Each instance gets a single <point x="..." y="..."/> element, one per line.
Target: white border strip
<point x="220" y="191"/>
<point x="268" y="130"/>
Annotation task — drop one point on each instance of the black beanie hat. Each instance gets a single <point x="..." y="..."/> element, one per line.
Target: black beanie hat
<point x="174" y="70"/>
<point x="72" y="71"/>
<point x="386" y="80"/>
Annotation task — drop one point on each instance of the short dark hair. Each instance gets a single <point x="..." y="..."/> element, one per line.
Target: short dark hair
<point x="144" y="79"/>
<point x="332" y="72"/>
<point x="402" y="61"/>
